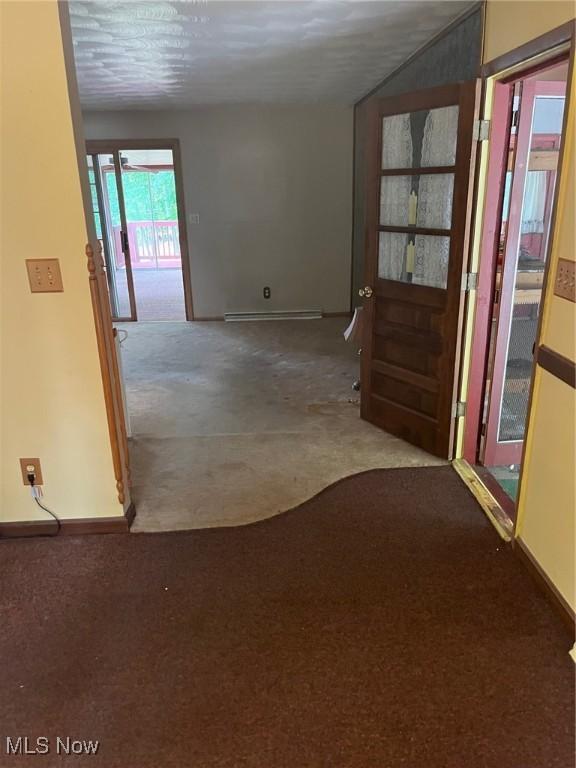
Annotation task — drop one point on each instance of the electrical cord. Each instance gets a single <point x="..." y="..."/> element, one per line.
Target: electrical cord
<point x="58" y="523"/>
<point x="31" y="479"/>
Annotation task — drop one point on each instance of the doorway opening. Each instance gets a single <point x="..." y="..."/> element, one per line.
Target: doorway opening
<point x="527" y="127"/>
<point x="138" y="212"/>
<point x="245" y="414"/>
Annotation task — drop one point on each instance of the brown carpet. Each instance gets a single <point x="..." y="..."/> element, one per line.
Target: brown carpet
<point x="383" y="624"/>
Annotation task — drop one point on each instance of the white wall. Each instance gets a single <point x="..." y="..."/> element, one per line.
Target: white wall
<point x="273" y="188"/>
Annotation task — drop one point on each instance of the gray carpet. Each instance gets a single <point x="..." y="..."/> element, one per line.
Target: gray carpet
<point x="236" y="422"/>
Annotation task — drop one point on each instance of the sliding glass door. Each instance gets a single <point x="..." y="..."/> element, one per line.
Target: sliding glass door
<point x="152" y="228"/>
<point x="109" y="218"/>
<point x="139" y="221"/>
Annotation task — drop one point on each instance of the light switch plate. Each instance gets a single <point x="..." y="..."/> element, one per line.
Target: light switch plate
<point x="564" y="285"/>
<point x="44" y="275"/>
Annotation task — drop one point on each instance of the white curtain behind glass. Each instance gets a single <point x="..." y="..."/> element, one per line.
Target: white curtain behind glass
<point x="534" y="202"/>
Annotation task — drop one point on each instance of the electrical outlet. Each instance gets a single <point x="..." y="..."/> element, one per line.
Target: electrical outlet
<point x="44" y="275"/>
<point x="565" y="284"/>
<point x="31" y="466"/>
<point x="266" y="292"/>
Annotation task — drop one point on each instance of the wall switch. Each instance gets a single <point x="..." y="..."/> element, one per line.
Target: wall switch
<point x="194" y="218"/>
<point x="44" y="275"/>
<point x="31" y="466"/>
<point x="564" y="285"/>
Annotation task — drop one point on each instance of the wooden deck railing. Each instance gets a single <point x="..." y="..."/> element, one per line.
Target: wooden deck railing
<point x="152" y="244"/>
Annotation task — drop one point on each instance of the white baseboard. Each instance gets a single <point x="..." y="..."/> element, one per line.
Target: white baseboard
<point x="306" y="314"/>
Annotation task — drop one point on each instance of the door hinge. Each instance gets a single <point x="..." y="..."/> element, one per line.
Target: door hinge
<point x="470" y="281"/>
<point x="481" y="130"/>
<point x="124" y="239"/>
<point x="458" y="409"/>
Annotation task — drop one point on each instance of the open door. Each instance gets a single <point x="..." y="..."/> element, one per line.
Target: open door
<point x="421" y="156"/>
<point x="530" y="182"/>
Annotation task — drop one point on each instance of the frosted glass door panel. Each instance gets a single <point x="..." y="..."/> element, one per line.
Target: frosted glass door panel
<point x="423" y="201"/>
<point x="434" y="207"/>
<point x="418" y="259"/>
<point x="431" y="257"/>
<point x="392" y="252"/>
<point x="397" y="149"/>
<point x="420" y="139"/>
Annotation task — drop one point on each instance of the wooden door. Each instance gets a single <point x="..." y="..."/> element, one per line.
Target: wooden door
<point x="420" y="157"/>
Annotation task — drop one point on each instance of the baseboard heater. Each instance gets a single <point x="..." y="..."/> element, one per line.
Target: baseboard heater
<point x="306" y="314"/>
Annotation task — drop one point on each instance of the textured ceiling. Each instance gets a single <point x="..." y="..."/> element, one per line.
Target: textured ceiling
<point x="177" y="54"/>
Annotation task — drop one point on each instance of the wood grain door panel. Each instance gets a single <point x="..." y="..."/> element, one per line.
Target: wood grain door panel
<point x="413" y="318"/>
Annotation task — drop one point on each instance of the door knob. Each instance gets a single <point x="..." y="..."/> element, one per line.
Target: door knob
<point x="365" y="292"/>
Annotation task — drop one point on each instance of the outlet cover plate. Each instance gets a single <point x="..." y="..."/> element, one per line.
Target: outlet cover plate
<point x="24" y="463"/>
<point x="44" y="275"/>
<point x="564" y="285"/>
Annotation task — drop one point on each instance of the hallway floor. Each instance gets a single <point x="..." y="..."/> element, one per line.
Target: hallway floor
<point x="383" y="624"/>
<point x="236" y="422"/>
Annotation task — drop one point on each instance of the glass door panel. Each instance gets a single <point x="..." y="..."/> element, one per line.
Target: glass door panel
<point x="422" y="139"/>
<point x="153" y="232"/>
<point x="421" y="200"/>
<point x="418" y="259"/>
<point x="106" y="207"/>
<point x="526" y="218"/>
<point x="416" y="196"/>
<point x="531" y="261"/>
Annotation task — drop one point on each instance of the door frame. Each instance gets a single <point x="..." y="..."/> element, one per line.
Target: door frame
<point x="545" y="50"/>
<point x="99" y="146"/>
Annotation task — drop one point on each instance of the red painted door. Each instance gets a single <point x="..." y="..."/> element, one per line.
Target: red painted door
<point x="527" y="208"/>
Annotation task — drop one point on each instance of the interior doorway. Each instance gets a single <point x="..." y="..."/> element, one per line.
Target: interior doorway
<point x="261" y="413"/>
<point x="139" y="215"/>
<point x="527" y="125"/>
